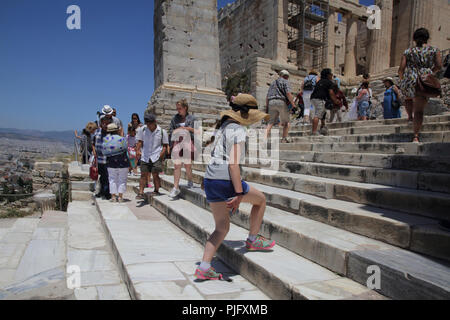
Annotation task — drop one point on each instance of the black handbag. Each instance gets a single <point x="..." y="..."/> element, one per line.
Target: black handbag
<point x="395" y="102"/>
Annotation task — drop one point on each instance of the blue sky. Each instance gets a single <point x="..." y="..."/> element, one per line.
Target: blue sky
<point x="53" y="78"/>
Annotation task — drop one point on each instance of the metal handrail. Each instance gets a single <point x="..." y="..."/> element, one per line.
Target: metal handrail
<point x="78" y="154"/>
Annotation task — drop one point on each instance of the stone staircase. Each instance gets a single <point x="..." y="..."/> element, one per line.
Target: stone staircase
<point x="362" y="196"/>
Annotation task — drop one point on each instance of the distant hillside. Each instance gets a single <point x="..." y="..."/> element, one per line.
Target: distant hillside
<point x="65" y="137"/>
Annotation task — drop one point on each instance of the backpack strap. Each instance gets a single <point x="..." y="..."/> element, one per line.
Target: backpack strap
<point x="281" y="90"/>
<point x="222" y="131"/>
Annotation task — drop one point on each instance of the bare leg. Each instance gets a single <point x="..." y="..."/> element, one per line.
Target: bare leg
<point x="409" y="108"/>
<point x="269" y="128"/>
<point x="258" y="200"/>
<point x="177" y="176"/>
<point x="188" y="168"/>
<point x="315" y="125"/>
<point x="222" y="220"/>
<point x="156" y="181"/>
<point x="419" y="105"/>
<point x="143" y="182"/>
<point x="285" y="129"/>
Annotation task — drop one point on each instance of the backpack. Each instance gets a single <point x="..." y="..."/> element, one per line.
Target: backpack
<point x="310" y="83"/>
<point x="114" y="145"/>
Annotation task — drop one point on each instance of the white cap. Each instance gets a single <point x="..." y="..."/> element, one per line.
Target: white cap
<point x="284" y="73"/>
<point x="107" y="110"/>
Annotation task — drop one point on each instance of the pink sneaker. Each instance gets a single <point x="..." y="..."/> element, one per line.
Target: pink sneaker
<point x="260" y="244"/>
<point x="209" y="274"/>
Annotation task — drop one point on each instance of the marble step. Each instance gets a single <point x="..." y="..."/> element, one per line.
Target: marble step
<point x="158" y="260"/>
<point x="82" y="185"/>
<point x="435" y="164"/>
<point x="418" y="234"/>
<point x="281" y="274"/>
<point x="90" y="256"/>
<point x="414" y="180"/>
<point x="424" y="203"/>
<point x="427" y="137"/>
<point x="355" y="124"/>
<point x="366" y="169"/>
<point x="429" y="127"/>
<point x="425" y="149"/>
<point x="78" y="195"/>
<point x="338" y="250"/>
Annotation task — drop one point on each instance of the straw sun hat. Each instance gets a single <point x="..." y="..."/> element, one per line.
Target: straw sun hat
<point x="245" y="110"/>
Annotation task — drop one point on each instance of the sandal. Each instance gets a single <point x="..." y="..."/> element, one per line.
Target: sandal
<point x="140" y="196"/>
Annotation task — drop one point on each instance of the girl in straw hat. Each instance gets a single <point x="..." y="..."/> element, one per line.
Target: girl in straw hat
<point x="223" y="185"/>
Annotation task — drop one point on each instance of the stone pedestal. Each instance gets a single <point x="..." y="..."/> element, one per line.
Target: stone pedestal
<point x="204" y="103"/>
<point x="380" y="40"/>
<point x="187" y="63"/>
<point x="350" y="46"/>
<point x="45" y="201"/>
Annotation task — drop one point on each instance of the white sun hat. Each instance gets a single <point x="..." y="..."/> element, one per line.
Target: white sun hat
<point x="107" y="110"/>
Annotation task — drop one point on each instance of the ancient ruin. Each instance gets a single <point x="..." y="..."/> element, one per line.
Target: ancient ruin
<point x="186" y="59"/>
<point x="335" y="35"/>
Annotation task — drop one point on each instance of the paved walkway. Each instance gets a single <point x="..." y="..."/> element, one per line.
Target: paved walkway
<point x="157" y="258"/>
<point x="35" y="254"/>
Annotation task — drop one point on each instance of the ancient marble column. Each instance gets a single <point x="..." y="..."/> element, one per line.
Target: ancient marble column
<point x="350" y="46"/>
<point x="379" y="45"/>
<point x="422" y="16"/>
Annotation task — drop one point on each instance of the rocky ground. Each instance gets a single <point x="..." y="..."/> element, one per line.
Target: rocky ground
<point x="17" y="158"/>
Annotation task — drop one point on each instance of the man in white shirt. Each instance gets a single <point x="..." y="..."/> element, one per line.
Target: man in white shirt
<point x="151" y="148"/>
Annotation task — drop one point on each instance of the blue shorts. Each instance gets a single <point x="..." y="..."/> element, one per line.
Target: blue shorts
<point x="222" y="190"/>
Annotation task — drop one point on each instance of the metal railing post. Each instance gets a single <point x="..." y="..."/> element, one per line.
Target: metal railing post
<point x="86" y="153"/>
<point x="76" y="149"/>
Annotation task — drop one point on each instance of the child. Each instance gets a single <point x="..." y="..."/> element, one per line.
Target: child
<point x="131" y="139"/>
<point x="152" y="146"/>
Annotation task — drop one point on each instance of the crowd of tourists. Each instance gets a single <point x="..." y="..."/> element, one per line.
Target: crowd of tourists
<point x="147" y="145"/>
<point x="321" y="100"/>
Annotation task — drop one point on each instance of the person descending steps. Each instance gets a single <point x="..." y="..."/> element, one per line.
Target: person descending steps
<point x="223" y="185"/>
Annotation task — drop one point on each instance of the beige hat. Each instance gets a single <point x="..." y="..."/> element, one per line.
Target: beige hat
<point x="246" y="119"/>
<point x="388" y="79"/>
<point x="284" y="73"/>
<point x="112" y="127"/>
<point x="244" y="99"/>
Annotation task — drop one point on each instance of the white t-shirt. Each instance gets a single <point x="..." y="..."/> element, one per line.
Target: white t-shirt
<point x="218" y="167"/>
<point x="152" y="142"/>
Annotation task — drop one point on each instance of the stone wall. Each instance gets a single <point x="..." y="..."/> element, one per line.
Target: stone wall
<point x="52" y="177"/>
<point x="246" y="29"/>
<point x="186" y="43"/>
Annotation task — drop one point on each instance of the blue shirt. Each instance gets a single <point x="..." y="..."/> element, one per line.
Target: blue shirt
<point x="98" y="141"/>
